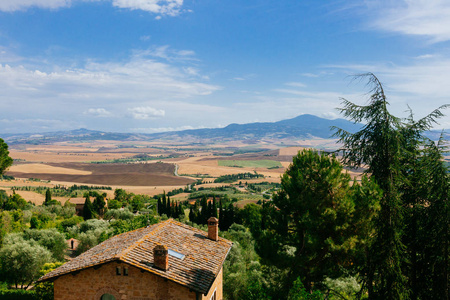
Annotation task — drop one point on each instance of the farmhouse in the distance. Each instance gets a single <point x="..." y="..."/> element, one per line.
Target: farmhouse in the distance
<point x="169" y="260"/>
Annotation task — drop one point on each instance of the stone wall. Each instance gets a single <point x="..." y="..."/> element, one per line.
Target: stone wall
<point x="93" y="283"/>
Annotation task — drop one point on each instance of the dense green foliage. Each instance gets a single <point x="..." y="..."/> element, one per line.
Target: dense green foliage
<point x="263" y="163"/>
<point x="21" y="260"/>
<point x="234" y="177"/>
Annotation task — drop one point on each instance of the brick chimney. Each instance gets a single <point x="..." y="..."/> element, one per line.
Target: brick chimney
<point x="213" y="229"/>
<point x="161" y="257"/>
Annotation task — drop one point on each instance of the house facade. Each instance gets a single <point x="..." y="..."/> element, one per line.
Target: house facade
<point x="169" y="260"/>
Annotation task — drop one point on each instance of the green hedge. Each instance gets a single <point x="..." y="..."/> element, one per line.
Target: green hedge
<point x="18" y="294"/>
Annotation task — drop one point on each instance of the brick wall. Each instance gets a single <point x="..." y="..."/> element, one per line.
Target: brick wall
<point x="217" y="286"/>
<point x="92" y="284"/>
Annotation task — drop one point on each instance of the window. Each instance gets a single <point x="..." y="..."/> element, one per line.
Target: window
<point x="107" y="297"/>
<point x="125" y="271"/>
<point x="118" y="271"/>
<point x="213" y="297"/>
<point x="176" y="254"/>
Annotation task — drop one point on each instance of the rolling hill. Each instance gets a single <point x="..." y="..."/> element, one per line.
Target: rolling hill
<point x="301" y="127"/>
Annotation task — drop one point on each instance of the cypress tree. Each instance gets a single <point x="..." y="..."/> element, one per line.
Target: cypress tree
<point x="175" y="210"/>
<point x="214" y="208"/>
<point x="191" y="215"/>
<point x="222" y="220"/>
<point x="159" y="206"/>
<point x="180" y="210"/>
<point x="164" y="204"/>
<point x="88" y="210"/>
<point x="169" y="208"/>
<point x="197" y="217"/>
<point x="48" y="197"/>
<point x="204" y="214"/>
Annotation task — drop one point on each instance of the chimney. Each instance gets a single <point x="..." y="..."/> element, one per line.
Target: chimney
<point x="161" y="257"/>
<point x="213" y="229"/>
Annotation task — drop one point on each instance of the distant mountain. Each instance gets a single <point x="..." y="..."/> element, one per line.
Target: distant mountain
<point x="301" y="127"/>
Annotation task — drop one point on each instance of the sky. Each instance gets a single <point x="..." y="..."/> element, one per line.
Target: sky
<point x="148" y="66"/>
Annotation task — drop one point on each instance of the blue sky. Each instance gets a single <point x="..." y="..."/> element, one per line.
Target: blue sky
<point x="156" y="65"/>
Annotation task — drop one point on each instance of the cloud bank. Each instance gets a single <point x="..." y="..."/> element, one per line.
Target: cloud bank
<point x="429" y="18"/>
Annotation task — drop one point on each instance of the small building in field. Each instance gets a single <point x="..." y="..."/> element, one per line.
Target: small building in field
<point x="168" y="260"/>
<point x="79" y="205"/>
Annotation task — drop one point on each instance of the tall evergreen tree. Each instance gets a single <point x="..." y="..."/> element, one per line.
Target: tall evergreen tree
<point x="164" y="204"/>
<point x="48" y="196"/>
<point x="433" y="230"/>
<point x="99" y="204"/>
<point x="204" y="214"/>
<point x="159" y="206"/>
<point x="168" y="208"/>
<point x="214" y="208"/>
<point x="384" y="144"/>
<point x="88" y="209"/>
<point x="222" y="220"/>
<point x="5" y="160"/>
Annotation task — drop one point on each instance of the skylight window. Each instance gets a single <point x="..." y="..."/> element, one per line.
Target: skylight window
<point x="176" y="254"/>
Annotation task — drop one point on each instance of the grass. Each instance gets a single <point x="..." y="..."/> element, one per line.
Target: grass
<point x="250" y="163"/>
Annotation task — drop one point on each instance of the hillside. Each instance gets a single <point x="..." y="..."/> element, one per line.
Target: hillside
<point x="301" y="127"/>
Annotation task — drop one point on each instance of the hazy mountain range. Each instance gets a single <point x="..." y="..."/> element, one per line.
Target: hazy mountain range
<point x="301" y="127"/>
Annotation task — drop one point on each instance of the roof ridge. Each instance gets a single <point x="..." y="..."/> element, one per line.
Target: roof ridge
<point x="154" y="228"/>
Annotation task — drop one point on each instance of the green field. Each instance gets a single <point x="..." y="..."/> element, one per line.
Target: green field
<point x="250" y="163"/>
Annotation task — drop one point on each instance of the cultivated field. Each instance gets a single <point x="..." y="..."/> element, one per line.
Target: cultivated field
<point x="149" y="174"/>
<point x="165" y="166"/>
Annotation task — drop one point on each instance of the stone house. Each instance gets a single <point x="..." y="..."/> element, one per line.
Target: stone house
<point x="79" y="205"/>
<point x="168" y="260"/>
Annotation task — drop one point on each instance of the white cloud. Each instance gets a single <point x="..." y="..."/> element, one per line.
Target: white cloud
<point x="141" y="79"/>
<point x="144" y="113"/>
<point x="112" y="87"/>
<point x="145" y="37"/>
<point x="425" y="56"/>
<point x="163" y="7"/>
<point x="429" y="18"/>
<point x="98" y="112"/>
<point x="167" y="53"/>
<point x="296" y="84"/>
<point x="13" y="5"/>
<point x="36" y="125"/>
<point x="164" y="129"/>
<point x="422" y="85"/>
<point x="311" y="75"/>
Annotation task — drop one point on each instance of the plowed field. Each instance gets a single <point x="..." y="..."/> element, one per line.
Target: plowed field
<point x="153" y="174"/>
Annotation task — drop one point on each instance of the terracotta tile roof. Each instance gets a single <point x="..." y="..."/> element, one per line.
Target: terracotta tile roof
<point x="197" y="271"/>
